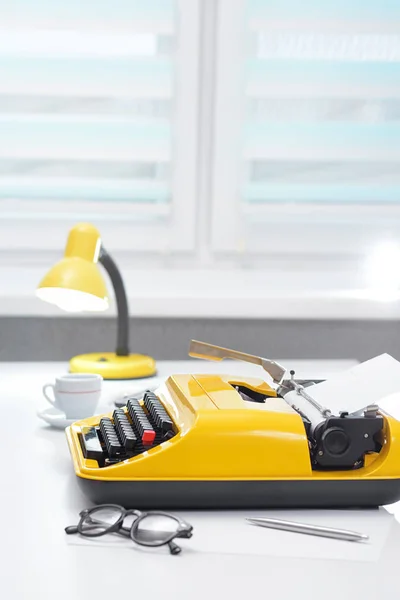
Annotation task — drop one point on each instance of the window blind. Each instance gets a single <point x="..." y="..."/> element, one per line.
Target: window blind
<point x="86" y="104"/>
<point x="321" y="107"/>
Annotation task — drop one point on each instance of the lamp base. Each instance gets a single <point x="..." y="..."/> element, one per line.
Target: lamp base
<point x="111" y="366"/>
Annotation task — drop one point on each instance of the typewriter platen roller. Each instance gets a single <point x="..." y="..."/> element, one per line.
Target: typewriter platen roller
<point x="214" y="441"/>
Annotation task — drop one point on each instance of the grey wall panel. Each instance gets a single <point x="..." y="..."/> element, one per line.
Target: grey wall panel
<point x="39" y="338"/>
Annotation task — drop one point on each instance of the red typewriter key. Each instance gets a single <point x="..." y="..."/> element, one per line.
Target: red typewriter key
<point x="148" y="437"/>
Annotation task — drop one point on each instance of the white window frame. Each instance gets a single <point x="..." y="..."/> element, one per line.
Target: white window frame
<point x="24" y="227"/>
<point x="201" y="267"/>
<point x="312" y="230"/>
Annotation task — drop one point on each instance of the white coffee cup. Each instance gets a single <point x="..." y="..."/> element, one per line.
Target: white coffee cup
<point x="75" y="394"/>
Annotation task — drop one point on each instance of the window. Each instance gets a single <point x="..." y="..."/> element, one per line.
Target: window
<point x="307" y="134"/>
<point x="98" y="121"/>
<point x="202" y="131"/>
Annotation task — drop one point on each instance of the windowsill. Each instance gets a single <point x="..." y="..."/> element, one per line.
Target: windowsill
<point x="241" y="294"/>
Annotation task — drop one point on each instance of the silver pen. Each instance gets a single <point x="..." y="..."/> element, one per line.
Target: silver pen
<point x="330" y="532"/>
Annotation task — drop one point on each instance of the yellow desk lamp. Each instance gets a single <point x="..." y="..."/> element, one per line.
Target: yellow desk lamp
<point x="75" y="284"/>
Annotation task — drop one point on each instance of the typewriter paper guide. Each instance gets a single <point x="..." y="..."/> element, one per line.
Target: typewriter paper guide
<point x="367" y="383"/>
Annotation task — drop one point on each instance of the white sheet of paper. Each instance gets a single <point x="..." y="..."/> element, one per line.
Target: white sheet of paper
<point x="367" y="383"/>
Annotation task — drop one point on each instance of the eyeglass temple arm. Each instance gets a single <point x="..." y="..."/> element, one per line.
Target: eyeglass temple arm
<point x="210" y="351"/>
<point x="71" y="529"/>
<point x="174" y="548"/>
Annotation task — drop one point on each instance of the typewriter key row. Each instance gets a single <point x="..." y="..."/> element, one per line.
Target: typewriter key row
<point x="124" y="429"/>
<point x="158" y="413"/>
<point x="110" y="437"/>
<point x="141" y="422"/>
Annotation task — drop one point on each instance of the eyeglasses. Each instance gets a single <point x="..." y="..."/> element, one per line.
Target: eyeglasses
<point x="147" y="529"/>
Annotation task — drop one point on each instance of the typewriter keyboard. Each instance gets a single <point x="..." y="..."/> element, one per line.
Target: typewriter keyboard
<point x="129" y="433"/>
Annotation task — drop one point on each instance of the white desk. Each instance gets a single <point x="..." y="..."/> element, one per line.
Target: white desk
<point x="39" y="497"/>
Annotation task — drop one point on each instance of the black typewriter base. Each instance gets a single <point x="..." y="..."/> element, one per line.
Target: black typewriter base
<point x="243" y="494"/>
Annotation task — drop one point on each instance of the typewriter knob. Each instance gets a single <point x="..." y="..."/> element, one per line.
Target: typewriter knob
<point x="335" y="441"/>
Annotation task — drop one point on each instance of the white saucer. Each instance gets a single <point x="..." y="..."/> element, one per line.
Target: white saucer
<point x="55" y="418"/>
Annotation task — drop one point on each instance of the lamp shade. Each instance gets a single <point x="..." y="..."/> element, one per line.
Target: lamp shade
<point x="75" y="283"/>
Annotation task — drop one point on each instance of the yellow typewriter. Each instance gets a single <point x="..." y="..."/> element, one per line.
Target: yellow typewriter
<point x="220" y="441"/>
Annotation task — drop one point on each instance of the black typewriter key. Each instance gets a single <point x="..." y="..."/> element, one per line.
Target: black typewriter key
<point x="130" y="442"/>
<point x="114" y="446"/>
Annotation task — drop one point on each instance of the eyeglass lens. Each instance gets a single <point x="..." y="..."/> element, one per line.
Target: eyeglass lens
<point x="99" y="520"/>
<point x="155" y="529"/>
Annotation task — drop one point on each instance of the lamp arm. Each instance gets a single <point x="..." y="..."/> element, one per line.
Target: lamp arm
<point x="122" y="302"/>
